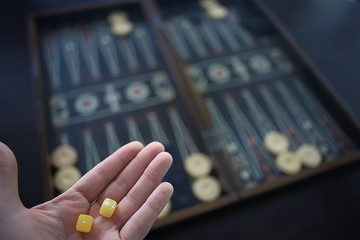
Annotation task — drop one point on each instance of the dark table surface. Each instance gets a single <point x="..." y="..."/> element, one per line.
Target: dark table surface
<point x="323" y="207"/>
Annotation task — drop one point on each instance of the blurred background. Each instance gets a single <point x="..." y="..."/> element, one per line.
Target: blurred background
<point x="323" y="207"/>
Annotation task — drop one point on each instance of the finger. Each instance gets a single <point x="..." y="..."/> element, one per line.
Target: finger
<point x="142" y="189"/>
<point x="141" y="222"/>
<point x="132" y="172"/>
<point x="96" y="180"/>
<point x="9" y="196"/>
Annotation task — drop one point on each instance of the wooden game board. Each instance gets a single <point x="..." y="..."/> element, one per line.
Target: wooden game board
<point x="204" y="86"/>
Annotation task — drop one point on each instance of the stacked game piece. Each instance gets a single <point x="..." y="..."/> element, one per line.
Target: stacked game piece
<point x="64" y="157"/>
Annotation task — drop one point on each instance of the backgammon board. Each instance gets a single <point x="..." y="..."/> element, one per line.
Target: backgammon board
<point x="214" y="81"/>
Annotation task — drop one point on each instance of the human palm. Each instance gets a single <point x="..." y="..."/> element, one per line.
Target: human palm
<point x="130" y="176"/>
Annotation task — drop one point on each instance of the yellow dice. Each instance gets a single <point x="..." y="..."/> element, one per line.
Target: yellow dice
<point x="108" y="207"/>
<point x="84" y="223"/>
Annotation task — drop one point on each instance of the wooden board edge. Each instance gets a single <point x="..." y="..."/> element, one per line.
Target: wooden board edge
<point x="195" y="211"/>
<point x="304" y="174"/>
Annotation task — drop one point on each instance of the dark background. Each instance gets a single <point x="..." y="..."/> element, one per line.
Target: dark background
<point x="323" y="207"/>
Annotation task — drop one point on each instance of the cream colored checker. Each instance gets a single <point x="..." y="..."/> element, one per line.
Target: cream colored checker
<point x="166" y="210"/>
<point x="288" y="162"/>
<point x="117" y="16"/>
<point x="64" y="155"/>
<point x="198" y="165"/>
<point x="65" y="177"/>
<point x="217" y="12"/>
<point x="310" y="156"/>
<point x="207" y="4"/>
<point x="276" y="142"/>
<point x="214" y="9"/>
<point x="122" y="29"/>
<point x="120" y="23"/>
<point x="206" y="189"/>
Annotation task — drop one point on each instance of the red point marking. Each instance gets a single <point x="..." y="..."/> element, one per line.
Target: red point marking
<point x="137" y="91"/>
<point x="97" y="77"/>
<point x="324" y="119"/>
<point x="86" y="103"/>
<point x="227" y="97"/>
<point x="260" y="63"/>
<point x="131" y="120"/>
<point x="219" y="73"/>
<point x="151" y="114"/>
<point x="341" y="143"/>
<point x="265" y="167"/>
<point x="290" y="129"/>
<point x="134" y="68"/>
<point x="87" y="131"/>
<point x="251" y="141"/>
<point x="171" y="110"/>
<point x="245" y="91"/>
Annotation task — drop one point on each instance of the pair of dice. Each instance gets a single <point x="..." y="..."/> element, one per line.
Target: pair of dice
<point x="84" y="221"/>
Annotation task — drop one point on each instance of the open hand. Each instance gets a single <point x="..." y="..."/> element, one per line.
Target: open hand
<point x="130" y="176"/>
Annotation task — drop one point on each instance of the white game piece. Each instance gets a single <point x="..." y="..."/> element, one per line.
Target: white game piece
<point x="276" y="142"/>
<point x="65" y="177"/>
<point x="208" y="4"/>
<point x="120" y="23"/>
<point x="117" y="16"/>
<point x="310" y="156"/>
<point x="207" y="188"/>
<point x="64" y="155"/>
<point x="122" y="29"/>
<point x="166" y="210"/>
<point x="217" y="12"/>
<point x="214" y="9"/>
<point x="198" y="165"/>
<point x="288" y="162"/>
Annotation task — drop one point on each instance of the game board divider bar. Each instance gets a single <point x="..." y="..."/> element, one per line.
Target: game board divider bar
<point x="47" y="181"/>
<point x="195" y="103"/>
<point x="193" y="100"/>
<point x="191" y="97"/>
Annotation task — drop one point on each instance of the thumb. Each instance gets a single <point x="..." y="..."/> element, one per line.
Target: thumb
<point x="9" y="197"/>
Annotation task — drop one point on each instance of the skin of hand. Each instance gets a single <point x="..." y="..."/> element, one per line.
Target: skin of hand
<point x="131" y="176"/>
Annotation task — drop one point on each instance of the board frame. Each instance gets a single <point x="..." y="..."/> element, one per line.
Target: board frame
<point x="196" y="108"/>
